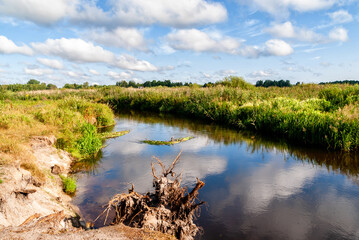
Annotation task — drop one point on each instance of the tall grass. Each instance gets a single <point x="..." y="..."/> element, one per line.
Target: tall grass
<point x="306" y="114"/>
<point x="73" y="120"/>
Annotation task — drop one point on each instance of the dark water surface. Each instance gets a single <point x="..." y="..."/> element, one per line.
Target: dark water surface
<point x="255" y="188"/>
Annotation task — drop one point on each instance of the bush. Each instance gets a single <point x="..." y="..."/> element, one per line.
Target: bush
<point x="68" y="184"/>
<point x="90" y="143"/>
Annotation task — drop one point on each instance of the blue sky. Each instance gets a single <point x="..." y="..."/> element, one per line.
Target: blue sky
<point x="105" y="41"/>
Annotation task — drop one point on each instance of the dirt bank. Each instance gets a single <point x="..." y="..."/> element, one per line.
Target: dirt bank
<point x="22" y="195"/>
<point x="33" y="209"/>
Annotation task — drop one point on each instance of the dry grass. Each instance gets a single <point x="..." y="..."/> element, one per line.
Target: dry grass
<point x="20" y="120"/>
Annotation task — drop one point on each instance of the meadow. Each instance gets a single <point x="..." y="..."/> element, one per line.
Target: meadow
<point x="73" y="120"/>
<point x="313" y="115"/>
<point x="324" y="116"/>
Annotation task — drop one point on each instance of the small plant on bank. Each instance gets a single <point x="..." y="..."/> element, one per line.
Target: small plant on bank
<point x="68" y="184"/>
<point x="171" y="142"/>
<point x="90" y="143"/>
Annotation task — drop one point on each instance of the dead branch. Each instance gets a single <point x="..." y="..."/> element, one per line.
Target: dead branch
<point x="169" y="209"/>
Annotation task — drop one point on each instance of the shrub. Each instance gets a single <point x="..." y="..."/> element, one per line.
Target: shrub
<point x="90" y="143"/>
<point x="68" y="184"/>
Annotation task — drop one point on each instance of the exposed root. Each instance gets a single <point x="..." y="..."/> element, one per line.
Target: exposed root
<point x="170" y="209"/>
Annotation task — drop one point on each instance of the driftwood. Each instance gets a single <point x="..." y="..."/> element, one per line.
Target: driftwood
<point x="170" y="209"/>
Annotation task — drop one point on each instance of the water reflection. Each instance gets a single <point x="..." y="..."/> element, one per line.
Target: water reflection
<point x="255" y="188"/>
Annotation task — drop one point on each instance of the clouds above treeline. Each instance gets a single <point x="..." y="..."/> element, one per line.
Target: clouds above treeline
<point x="154" y="36"/>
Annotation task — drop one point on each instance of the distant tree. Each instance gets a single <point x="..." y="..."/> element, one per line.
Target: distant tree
<point x="33" y="81"/>
<point x="273" y="83"/>
<point x="209" y="84"/>
<point x="51" y="86"/>
<point x="132" y="84"/>
<point x="351" y="82"/>
<point x="235" y="82"/>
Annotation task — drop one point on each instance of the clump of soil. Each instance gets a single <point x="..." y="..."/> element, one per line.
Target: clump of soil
<point x="170" y="209"/>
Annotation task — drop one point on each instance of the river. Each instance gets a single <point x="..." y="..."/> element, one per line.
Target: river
<point x="256" y="188"/>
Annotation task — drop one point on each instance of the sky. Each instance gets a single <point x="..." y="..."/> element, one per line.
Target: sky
<point x="198" y="41"/>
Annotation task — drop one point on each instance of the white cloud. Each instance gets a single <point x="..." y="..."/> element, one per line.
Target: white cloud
<point x="129" y="62"/>
<point x="122" y="75"/>
<point x="94" y="72"/>
<point x="198" y="41"/>
<point x="341" y="16"/>
<point x="166" y="12"/>
<point x="287" y="30"/>
<point x="122" y="12"/>
<point x="78" y="50"/>
<point x="52" y="63"/>
<point x="37" y="71"/>
<point x="74" y="49"/>
<point x="280" y="8"/>
<point x="38" y="11"/>
<point x="339" y="34"/>
<point x="261" y="74"/>
<point x="76" y="74"/>
<point x="9" y="47"/>
<point x="278" y="47"/>
<point x="129" y="38"/>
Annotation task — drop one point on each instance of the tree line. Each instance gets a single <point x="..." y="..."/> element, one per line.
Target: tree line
<point x="231" y="81"/>
<point x="32" y="84"/>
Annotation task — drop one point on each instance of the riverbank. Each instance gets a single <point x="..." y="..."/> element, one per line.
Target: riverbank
<point x="39" y="141"/>
<point x="308" y="115"/>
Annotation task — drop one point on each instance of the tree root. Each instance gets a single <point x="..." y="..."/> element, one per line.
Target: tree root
<point x="170" y="209"/>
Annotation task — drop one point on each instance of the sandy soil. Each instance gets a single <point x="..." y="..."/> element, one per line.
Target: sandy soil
<point x="32" y="211"/>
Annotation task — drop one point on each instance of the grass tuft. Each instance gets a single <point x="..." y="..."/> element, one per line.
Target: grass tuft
<point x="171" y="142"/>
<point x="68" y="184"/>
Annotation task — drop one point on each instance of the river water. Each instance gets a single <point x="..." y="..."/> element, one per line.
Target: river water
<point x="255" y="188"/>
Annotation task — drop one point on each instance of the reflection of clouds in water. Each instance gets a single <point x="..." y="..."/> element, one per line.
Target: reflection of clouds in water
<point x="339" y="210"/>
<point x="194" y="145"/>
<point x="274" y="180"/>
<point x="194" y="166"/>
<point x="268" y="201"/>
<point x="127" y="148"/>
<point x="137" y="170"/>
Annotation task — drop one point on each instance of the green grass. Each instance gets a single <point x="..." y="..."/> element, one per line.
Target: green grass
<point x="23" y="117"/>
<point x="312" y="115"/>
<point x="1" y="181"/>
<point x="171" y="142"/>
<point x="107" y="135"/>
<point x="68" y="184"/>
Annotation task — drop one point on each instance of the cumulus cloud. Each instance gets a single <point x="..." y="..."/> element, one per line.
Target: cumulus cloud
<point x="262" y="74"/>
<point x="339" y="34"/>
<point x="287" y="30"/>
<point x="129" y="62"/>
<point x="277" y="47"/>
<point x="123" y="12"/>
<point x="37" y="71"/>
<point x="172" y="12"/>
<point x="37" y="11"/>
<point x="198" y="41"/>
<point x="341" y="16"/>
<point x="76" y="74"/>
<point x="9" y="47"/>
<point x="94" y="72"/>
<point x="128" y="38"/>
<point x="78" y="50"/>
<point x="74" y="49"/>
<point x="52" y="63"/>
<point x="280" y="8"/>
<point x="122" y="75"/>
